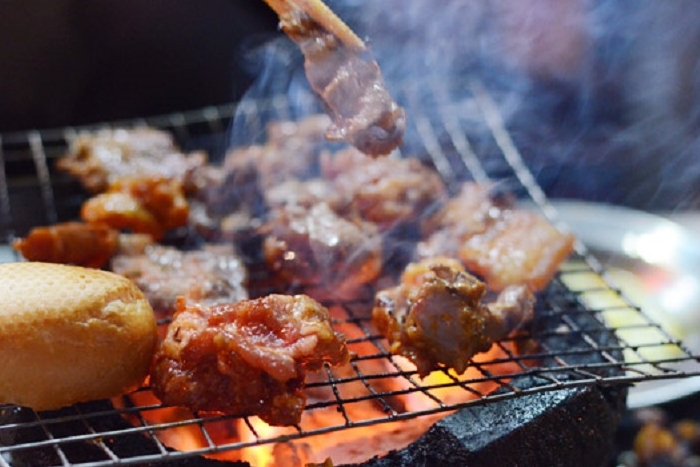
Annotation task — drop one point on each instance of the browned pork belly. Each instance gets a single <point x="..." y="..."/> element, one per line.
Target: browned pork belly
<point x="70" y="243"/>
<point x="98" y="159"/>
<point x="496" y="240"/>
<point x="248" y="358"/>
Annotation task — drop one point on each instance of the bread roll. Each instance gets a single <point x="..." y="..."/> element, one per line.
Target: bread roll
<point x="70" y="334"/>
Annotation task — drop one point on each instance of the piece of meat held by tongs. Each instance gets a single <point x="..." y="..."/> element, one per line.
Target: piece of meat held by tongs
<point x="342" y="71"/>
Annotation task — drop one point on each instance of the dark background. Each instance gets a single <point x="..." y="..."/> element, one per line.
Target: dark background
<point x="602" y="96"/>
<point x="71" y="61"/>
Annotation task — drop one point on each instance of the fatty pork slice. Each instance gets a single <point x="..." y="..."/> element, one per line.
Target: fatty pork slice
<point x="438" y="315"/>
<point x="502" y="243"/>
<point x="248" y="358"/>
<point x="210" y="275"/>
<point x="520" y="248"/>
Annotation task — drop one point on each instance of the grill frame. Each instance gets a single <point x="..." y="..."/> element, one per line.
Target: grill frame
<point x="596" y="360"/>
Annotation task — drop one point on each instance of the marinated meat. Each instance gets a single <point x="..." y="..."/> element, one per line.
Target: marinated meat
<point x="437" y="315"/>
<point x="345" y="76"/>
<point x="211" y="275"/>
<point x="151" y="205"/>
<point x="469" y="213"/>
<point x="291" y="152"/>
<point x="100" y="158"/>
<point x="248" y="174"/>
<point x="315" y="247"/>
<point x="248" y="358"/>
<point x="503" y="244"/>
<point x="133" y="244"/>
<point x="521" y="248"/>
<point x="305" y="193"/>
<point x="89" y="245"/>
<point x="80" y="244"/>
<point x="385" y="191"/>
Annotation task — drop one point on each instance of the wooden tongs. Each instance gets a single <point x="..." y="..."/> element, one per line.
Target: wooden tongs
<point x="343" y="73"/>
<point x="320" y="13"/>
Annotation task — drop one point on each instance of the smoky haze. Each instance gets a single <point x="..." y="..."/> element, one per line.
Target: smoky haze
<point x="602" y="97"/>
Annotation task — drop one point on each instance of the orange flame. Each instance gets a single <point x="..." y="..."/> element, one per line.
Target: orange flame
<point x="394" y="378"/>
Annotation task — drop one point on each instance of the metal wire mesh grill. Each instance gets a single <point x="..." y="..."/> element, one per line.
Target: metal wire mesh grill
<point x="576" y="343"/>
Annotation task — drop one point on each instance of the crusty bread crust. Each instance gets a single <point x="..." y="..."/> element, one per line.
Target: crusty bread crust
<point x="70" y="334"/>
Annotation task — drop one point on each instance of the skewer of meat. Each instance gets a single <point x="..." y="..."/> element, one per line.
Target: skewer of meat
<point x="343" y="73"/>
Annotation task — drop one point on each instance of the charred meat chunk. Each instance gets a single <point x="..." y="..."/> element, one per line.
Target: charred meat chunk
<point x="315" y="247"/>
<point x="150" y="205"/>
<point x="248" y="358"/>
<point x="211" y="275"/>
<point x="438" y="315"/>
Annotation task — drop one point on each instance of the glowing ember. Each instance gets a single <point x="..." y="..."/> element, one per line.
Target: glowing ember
<point x="371" y="390"/>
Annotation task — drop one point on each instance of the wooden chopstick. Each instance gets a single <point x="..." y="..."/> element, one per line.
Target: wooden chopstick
<point x="321" y="14"/>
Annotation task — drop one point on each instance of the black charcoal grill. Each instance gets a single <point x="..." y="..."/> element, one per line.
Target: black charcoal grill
<point x="556" y="406"/>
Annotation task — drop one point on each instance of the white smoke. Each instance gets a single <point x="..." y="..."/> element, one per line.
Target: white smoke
<point x="603" y="96"/>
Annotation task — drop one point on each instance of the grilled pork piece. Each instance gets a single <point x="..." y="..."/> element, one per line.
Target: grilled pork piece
<point x="100" y="158"/>
<point x="211" y="275"/>
<point x="151" y="205"/>
<point x="437" y="315"/>
<point x="521" y="248"/>
<point x="494" y="239"/>
<point x="70" y="243"/>
<point x="305" y="193"/>
<point x="313" y="246"/>
<point x="386" y="191"/>
<point x="248" y="358"/>
<point x="346" y="77"/>
<point x="80" y="244"/>
<point x="248" y="174"/>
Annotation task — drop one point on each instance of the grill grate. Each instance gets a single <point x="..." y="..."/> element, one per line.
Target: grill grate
<point x="577" y="346"/>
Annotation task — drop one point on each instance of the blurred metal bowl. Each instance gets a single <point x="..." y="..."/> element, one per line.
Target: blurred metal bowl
<point x="656" y="263"/>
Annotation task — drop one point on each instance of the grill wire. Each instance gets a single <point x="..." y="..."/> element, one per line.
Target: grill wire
<point x="466" y="139"/>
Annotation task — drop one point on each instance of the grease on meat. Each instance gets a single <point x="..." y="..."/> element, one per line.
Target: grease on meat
<point x="313" y="246"/>
<point x="248" y="358"/>
<point x="386" y="191"/>
<point x="150" y="205"/>
<point x="437" y="315"/>
<point x="496" y="240"/>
